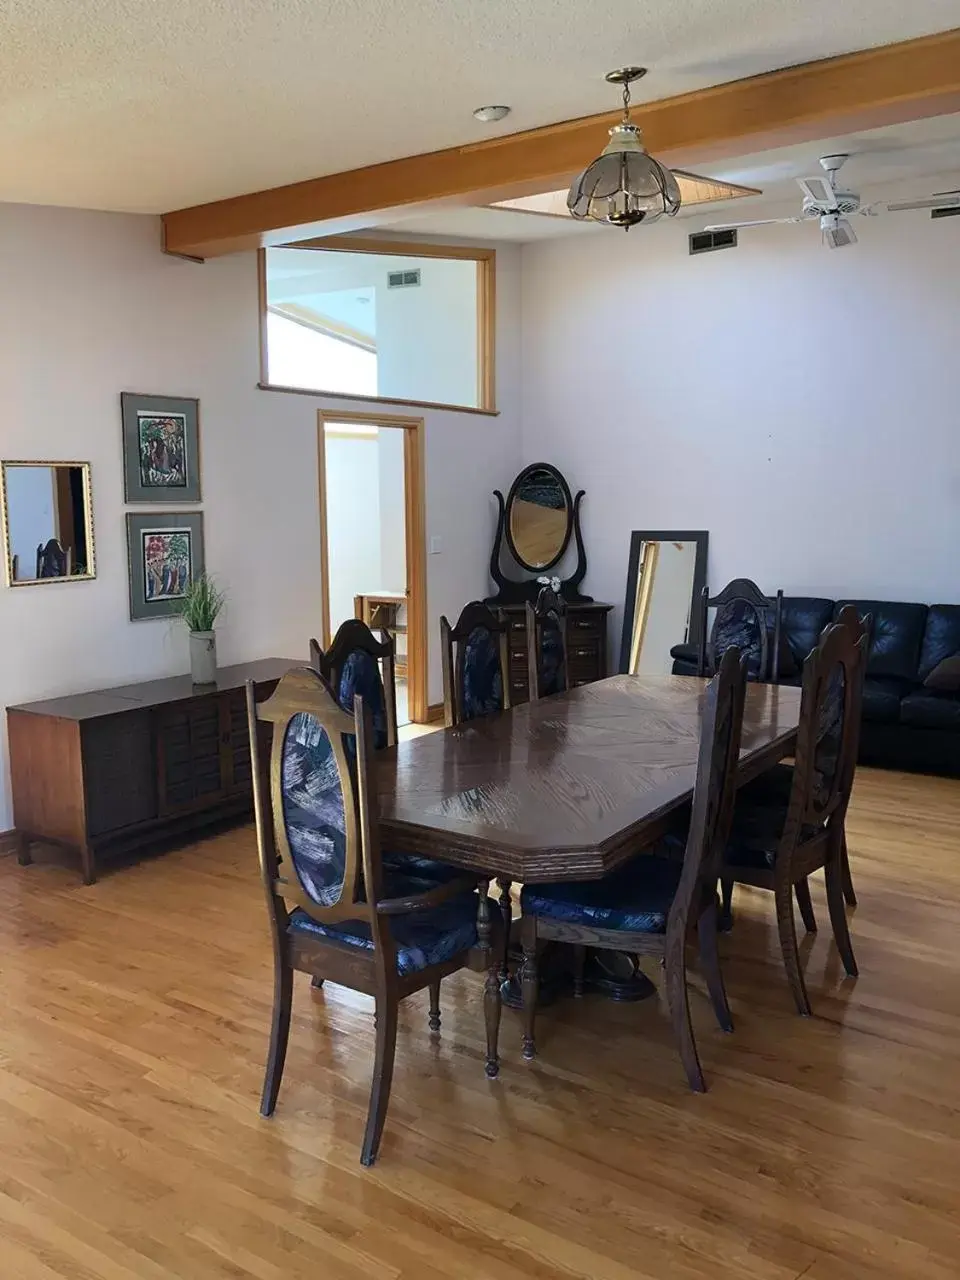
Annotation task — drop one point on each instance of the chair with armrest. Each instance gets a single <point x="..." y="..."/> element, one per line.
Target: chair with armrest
<point x="741" y="620"/>
<point x="781" y="835"/>
<point x="546" y="628"/>
<point x="335" y="909"/>
<point x="649" y="905"/>
<point x="53" y="560"/>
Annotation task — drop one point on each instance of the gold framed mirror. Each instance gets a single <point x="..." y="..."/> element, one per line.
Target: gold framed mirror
<point x="47" y="515"/>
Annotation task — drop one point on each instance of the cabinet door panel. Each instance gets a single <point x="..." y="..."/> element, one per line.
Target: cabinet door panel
<point x="119" y="771"/>
<point x="189" y="764"/>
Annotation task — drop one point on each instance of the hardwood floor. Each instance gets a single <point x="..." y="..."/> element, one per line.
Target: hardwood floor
<point x="135" y="1018"/>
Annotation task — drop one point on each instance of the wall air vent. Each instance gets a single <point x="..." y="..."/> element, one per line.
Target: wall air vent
<point x="948" y="211"/>
<point x="403" y="279"/>
<point x="707" y="241"/>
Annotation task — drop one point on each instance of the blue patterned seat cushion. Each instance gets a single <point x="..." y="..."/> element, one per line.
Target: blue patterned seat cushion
<point x="423" y="938"/>
<point x="361" y="674"/>
<point x="482" y="679"/>
<point x="313" y="810"/>
<point x="636" y="899"/>
<point x="412" y="864"/>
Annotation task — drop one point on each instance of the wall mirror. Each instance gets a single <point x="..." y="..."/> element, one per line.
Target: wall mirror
<point x="47" y="522"/>
<point x="539" y="517"/>
<point x="665" y="578"/>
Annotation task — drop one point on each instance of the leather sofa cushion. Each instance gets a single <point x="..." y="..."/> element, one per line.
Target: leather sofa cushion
<point x="895" y="638"/>
<point x="802" y="620"/>
<point x="929" y="710"/>
<point x="945" y="676"/>
<point x="881" y="700"/>
<point x="941" y="637"/>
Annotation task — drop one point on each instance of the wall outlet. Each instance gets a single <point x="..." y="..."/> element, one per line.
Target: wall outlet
<point x="434" y="546"/>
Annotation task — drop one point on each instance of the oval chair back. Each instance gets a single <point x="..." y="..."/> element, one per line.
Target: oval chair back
<point x="475" y="664"/>
<point x="741" y="620"/>
<point x="546" y="626"/>
<point x="358" y="663"/>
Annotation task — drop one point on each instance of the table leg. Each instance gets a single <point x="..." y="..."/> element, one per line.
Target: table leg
<point x="491" y="986"/>
<point x="506" y="915"/>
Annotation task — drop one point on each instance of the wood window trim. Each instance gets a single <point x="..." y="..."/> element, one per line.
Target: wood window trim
<point x="415" y="538"/>
<point x="486" y="260"/>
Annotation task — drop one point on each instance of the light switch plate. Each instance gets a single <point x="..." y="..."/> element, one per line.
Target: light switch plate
<point x="434" y="546"/>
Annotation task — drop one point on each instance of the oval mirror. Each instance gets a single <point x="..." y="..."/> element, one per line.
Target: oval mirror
<point x="539" y="516"/>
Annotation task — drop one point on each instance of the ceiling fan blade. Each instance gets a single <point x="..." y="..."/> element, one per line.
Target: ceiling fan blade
<point x="760" y="222"/>
<point x="819" y="191"/>
<point x="946" y="201"/>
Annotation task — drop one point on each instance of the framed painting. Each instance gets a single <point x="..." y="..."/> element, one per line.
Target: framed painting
<point x="164" y="555"/>
<point x="161" y="448"/>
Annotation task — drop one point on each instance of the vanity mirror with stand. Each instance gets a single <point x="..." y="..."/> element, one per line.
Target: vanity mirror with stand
<point x="535" y="526"/>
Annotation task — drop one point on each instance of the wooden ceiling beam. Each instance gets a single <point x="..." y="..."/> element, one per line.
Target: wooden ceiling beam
<point x="866" y="90"/>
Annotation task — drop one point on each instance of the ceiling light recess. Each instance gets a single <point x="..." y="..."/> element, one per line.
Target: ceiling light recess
<point x="490" y="115"/>
<point x="624" y="186"/>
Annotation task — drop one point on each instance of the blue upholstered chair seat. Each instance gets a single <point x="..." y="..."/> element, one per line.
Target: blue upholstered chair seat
<point x="423" y="938"/>
<point x="413" y="864"/>
<point x="636" y="899"/>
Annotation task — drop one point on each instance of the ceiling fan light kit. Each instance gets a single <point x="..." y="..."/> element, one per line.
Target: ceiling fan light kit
<point x="832" y="207"/>
<point x="624" y="186"/>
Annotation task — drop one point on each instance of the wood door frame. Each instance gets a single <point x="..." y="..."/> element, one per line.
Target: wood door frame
<point x="415" y="539"/>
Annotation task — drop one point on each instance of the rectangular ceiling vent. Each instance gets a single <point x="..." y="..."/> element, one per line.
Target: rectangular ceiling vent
<point x="707" y="241"/>
<point x="948" y="211"/>
<point x="403" y="279"/>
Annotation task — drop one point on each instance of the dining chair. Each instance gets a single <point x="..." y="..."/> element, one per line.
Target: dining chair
<point x="475" y="664"/>
<point x="335" y="909"/>
<point x="53" y="559"/>
<point x="546" y="628"/>
<point x="649" y="905"/>
<point x="741" y="619"/>
<point x="778" y="839"/>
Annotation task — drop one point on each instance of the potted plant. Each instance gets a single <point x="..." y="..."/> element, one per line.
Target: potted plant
<point x="199" y="608"/>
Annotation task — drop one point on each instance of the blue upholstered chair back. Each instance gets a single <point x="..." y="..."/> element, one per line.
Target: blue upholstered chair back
<point x="352" y="665"/>
<point x="314" y="808"/>
<point x="546" y="644"/>
<point x="360" y="673"/>
<point x="481" y="679"/>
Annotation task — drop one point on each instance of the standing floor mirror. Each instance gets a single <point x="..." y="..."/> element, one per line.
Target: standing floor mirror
<point x="47" y="511"/>
<point x="666" y="575"/>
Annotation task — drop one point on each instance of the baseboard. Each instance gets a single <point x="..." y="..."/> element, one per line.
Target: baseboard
<point x="434" y="713"/>
<point x="8" y="842"/>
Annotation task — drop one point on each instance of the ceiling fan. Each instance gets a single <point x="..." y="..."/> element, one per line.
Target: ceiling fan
<point x="822" y="201"/>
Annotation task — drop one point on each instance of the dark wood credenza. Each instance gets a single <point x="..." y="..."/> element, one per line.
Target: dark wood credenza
<point x="118" y="769"/>
<point x="586" y="646"/>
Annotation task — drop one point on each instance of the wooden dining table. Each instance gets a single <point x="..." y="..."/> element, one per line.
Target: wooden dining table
<point x="565" y="788"/>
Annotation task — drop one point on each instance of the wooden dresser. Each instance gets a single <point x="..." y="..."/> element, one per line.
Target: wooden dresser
<point x="586" y="642"/>
<point x="117" y="769"/>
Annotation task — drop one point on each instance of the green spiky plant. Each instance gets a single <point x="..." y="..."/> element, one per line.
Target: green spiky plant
<point x="201" y="603"/>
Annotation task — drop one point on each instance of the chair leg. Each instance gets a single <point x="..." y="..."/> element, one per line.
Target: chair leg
<point x="579" y="962"/>
<point x="848" y="890"/>
<point x="434" y="1019"/>
<point x="279" y="1035"/>
<point x="786" y="926"/>
<point x="679" y="1006"/>
<point x="802" y="890"/>
<point x="725" y="922"/>
<point x="386" y="1021"/>
<point x="710" y="962"/>
<point x="506" y="915"/>
<point x="528" y="986"/>
<point x="833" y="873"/>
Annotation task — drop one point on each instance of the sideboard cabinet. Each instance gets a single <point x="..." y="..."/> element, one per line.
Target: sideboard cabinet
<point x="117" y="769"/>
<point x="586" y="646"/>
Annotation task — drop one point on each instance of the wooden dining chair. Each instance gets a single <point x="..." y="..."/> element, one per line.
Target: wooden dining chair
<point x="475" y="664"/>
<point x="649" y="905"/>
<point x="546" y="628"/>
<point x="358" y="663"/>
<point x="777" y="842"/>
<point x="741" y="620"/>
<point x="335" y="911"/>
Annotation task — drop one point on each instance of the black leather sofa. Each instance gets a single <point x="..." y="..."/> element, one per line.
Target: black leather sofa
<point x="906" y="725"/>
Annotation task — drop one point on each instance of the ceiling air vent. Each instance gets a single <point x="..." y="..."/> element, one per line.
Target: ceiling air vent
<point x="707" y="241"/>
<point x="948" y="211"/>
<point x="403" y="279"/>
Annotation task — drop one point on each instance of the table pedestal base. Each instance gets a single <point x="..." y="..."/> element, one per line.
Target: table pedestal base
<point x="614" y="974"/>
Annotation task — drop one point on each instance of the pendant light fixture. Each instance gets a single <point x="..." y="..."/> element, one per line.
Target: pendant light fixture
<point x="625" y="185"/>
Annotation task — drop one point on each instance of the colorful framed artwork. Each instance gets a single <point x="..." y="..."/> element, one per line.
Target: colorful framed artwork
<point x="164" y="555"/>
<point x="161" y="448"/>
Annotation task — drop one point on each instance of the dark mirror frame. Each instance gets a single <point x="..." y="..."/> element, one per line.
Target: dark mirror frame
<point x="568" y="505"/>
<point x="637" y="538"/>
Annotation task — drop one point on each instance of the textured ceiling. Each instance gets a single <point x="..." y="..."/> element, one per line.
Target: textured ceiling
<point x="147" y="106"/>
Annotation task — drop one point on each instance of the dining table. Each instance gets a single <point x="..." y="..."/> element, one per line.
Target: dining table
<point x="568" y="787"/>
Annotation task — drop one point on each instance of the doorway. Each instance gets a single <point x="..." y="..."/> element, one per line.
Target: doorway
<point x="373" y="538"/>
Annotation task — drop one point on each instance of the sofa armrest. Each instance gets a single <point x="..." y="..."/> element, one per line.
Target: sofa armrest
<point x="685" y="653"/>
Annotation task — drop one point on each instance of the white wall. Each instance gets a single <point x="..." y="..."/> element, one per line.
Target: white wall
<point x="353" y="521"/>
<point x="801" y="404"/>
<point x="392" y="516"/>
<point x="128" y="318"/>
